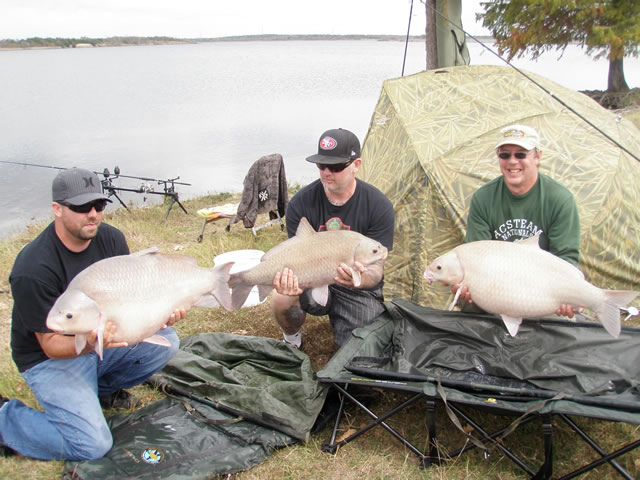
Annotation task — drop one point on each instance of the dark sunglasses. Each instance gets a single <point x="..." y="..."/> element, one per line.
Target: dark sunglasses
<point x="334" y="168"/>
<point x="518" y="155"/>
<point x="99" y="205"/>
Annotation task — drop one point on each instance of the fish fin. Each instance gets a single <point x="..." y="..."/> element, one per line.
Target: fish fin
<point x="220" y="288"/>
<point x="80" y="342"/>
<point x="357" y="278"/>
<point x="239" y="295"/>
<point x="320" y="295"/>
<point x="512" y="324"/>
<point x="455" y="299"/>
<point x="239" y="290"/>
<point x="281" y="246"/>
<point x="146" y="251"/>
<point x="304" y="228"/>
<point x="157" y="340"/>
<point x="264" y="290"/>
<point x="609" y="312"/>
<point x="99" y="346"/>
<point x="207" y="301"/>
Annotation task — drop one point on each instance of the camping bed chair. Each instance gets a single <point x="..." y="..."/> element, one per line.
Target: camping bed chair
<point x="212" y="214"/>
<point x="264" y="191"/>
<point x="469" y="366"/>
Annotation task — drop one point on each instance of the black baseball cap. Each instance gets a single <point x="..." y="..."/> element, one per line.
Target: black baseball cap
<point x="77" y="186"/>
<point x="336" y="146"/>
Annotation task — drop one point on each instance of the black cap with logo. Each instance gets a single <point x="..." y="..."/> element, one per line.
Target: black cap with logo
<point x="77" y="186"/>
<point x="336" y="146"/>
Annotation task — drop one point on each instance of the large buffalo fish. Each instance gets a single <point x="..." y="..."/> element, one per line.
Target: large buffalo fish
<point x="138" y="293"/>
<point x="313" y="257"/>
<point x="519" y="279"/>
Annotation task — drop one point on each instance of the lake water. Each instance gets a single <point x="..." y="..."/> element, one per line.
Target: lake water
<point x="202" y="112"/>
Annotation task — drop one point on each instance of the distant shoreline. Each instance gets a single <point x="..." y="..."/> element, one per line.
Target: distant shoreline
<point x="84" y="42"/>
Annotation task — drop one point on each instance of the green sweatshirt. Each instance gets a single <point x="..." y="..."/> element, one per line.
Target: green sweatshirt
<point x="498" y="214"/>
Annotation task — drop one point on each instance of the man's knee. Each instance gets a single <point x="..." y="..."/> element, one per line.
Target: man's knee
<point x="174" y="341"/>
<point x="89" y="445"/>
<point x="286" y="309"/>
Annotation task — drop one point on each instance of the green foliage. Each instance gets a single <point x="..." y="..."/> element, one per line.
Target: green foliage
<point x="38" y="42"/>
<point x="608" y="28"/>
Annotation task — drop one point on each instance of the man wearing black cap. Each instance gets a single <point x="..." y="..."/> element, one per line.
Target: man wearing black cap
<point x="70" y="387"/>
<point x="336" y="201"/>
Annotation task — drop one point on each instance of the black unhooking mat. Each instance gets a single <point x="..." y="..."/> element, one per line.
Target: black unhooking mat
<point x="473" y="355"/>
<point x="234" y="400"/>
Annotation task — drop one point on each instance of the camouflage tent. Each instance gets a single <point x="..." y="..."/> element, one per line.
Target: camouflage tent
<point x="430" y="146"/>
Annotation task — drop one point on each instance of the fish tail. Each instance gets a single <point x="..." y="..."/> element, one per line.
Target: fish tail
<point x="220" y="288"/>
<point x="609" y="311"/>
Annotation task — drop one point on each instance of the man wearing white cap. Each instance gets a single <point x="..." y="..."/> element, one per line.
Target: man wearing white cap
<point x="523" y="201"/>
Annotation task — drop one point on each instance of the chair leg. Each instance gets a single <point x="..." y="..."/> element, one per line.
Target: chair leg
<point x="546" y="469"/>
<point x="432" y="457"/>
<point x="204" y="224"/>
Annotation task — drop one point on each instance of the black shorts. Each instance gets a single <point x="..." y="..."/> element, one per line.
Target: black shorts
<point x="348" y="308"/>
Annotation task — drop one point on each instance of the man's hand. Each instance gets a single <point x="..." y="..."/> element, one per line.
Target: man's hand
<point x="286" y="283"/>
<point x="345" y="274"/>
<point x="177" y="315"/>
<point x="107" y="336"/>
<point x="567" y="310"/>
<point x="465" y="295"/>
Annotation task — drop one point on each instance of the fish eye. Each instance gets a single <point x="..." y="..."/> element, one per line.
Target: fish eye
<point x="439" y="267"/>
<point x="69" y="315"/>
<point x="375" y="250"/>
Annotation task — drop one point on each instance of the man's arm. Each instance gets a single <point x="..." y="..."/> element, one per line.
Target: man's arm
<point x="564" y="234"/>
<point x="58" y="346"/>
<point x="478" y="227"/>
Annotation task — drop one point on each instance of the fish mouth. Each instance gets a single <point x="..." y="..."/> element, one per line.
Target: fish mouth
<point x="54" y="326"/>
<point x="428" y="276"/>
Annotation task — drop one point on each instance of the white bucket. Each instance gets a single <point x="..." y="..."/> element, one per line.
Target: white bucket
<point x="243" y="260"/>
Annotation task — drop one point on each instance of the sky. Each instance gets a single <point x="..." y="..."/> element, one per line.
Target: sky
<point x="215" y="18"/>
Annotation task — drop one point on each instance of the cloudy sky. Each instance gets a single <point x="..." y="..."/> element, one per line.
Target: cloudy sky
<point x="214" y="18"/>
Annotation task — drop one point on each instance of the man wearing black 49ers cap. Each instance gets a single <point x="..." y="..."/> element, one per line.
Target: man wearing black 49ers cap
<point x="336" y="201"/>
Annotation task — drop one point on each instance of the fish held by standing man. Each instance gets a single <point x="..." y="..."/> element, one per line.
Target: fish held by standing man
<point x="314" y="256"/>
<point x="137" y="293"/>
<point x="519" y="279"/>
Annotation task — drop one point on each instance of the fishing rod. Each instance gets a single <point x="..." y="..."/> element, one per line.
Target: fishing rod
<point x="112" y="190"/>
<point x="537" y="84"/>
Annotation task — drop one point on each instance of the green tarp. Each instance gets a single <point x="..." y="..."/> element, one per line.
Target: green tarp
<point x="260" y="378"/>
<point x="235" y="399"/>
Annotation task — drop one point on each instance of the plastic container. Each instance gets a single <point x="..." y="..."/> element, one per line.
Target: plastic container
<point x="243" y="260"/>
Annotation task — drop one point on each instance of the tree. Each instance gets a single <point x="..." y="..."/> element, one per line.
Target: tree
<point x="608" y="28"/>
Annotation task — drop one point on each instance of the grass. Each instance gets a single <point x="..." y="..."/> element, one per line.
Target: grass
<point x="376" y="454"/>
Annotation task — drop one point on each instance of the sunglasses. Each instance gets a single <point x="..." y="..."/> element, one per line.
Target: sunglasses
<point x="99" y="205"/>
<point x="518" y="155"/>
<point x="334" y="168"/>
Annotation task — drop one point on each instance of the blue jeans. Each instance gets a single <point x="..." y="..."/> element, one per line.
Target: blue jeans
<point x="72" y="425"/>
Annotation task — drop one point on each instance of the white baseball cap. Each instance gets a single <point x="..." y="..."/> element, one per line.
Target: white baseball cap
<point x="521" y="135"/>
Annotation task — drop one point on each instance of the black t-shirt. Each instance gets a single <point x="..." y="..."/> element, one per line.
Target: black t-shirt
<point x="40" y="274"/>
<point x="368" y="212"/>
